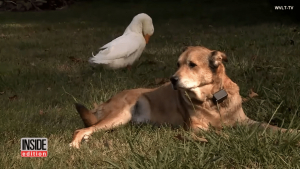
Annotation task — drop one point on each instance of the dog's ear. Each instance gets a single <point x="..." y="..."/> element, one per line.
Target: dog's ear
<point x="217" y="58"/>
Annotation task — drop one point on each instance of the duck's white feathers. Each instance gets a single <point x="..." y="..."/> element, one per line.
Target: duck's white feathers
<point x="122" y="46"/>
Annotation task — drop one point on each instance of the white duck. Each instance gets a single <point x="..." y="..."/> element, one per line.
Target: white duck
<point x="126" y="49"/>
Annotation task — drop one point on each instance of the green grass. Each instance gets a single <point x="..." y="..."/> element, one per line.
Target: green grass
<point x="35" y="66"/>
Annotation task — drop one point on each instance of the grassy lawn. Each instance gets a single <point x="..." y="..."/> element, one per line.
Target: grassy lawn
<point x="39" y="83"/>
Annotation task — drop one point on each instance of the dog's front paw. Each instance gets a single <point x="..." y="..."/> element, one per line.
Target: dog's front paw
<point x="78" y="136"/>
<point x="74" y="145"/>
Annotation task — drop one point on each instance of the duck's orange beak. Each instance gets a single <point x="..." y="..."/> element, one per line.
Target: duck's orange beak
<point x="147" y="37"/>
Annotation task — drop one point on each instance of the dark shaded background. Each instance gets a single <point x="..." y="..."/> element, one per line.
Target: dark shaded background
<point x="269" y="4"/>
<point x="218" y="12"/>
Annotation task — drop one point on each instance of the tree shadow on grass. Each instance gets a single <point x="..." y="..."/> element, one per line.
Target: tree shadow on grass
<point x="205" y="12"/>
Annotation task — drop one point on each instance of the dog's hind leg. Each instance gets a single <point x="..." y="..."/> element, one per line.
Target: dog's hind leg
<point x="110" y="121"/>
<point x="115" y="112"/>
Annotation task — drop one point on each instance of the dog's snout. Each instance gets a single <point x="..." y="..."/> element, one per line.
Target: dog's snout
<point x="174" y="80"/>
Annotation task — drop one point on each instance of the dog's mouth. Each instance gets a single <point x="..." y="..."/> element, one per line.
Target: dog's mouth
<point x="176" y="87"/>
<point x="178" y="84"/>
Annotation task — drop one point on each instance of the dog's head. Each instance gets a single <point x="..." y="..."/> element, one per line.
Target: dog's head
<point x="197" y="67"/>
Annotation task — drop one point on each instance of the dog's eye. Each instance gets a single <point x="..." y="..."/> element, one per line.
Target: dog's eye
<point x="178" y="65"/>
<point x="191" y="65"/>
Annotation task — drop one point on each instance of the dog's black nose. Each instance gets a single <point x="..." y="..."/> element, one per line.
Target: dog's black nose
<point x="174" y="80"/>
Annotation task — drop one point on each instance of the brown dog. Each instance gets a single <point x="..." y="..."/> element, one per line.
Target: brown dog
<point x="191" y="100"/>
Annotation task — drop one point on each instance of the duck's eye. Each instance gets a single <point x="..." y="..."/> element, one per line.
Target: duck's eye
<point x="178" y="65"/>
<point x="191" y="65"/>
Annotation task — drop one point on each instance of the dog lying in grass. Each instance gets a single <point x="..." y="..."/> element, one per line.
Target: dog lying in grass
<point x="199" y="95"/>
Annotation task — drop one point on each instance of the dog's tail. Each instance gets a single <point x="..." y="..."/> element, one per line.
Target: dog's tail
<point x="86" y="115"/>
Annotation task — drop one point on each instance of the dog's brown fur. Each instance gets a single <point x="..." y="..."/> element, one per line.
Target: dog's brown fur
<point x="200" y="74"/>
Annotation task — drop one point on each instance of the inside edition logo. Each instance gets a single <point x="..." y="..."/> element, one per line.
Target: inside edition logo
<point x="34" y="147"/>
